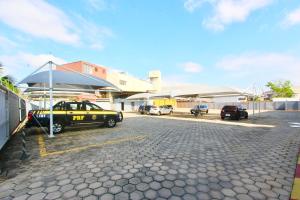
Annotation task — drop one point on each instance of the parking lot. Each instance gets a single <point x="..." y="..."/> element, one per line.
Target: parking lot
<point x="162" y="157"/>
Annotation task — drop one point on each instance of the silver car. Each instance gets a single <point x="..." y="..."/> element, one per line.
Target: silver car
<point x="161" y="110"/>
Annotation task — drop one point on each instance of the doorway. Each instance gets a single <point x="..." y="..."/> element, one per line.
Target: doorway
<point x="122" y="106"/>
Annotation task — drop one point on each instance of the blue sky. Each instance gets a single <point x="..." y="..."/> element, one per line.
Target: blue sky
<point x="215" y="42"/>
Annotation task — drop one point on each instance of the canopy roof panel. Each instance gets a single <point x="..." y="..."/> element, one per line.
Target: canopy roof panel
<point x="66" y="77"/>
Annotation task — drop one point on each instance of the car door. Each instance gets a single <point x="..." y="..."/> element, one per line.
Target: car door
<point x="93" y="113"/>
<point x="75" y="113"/>
<point x="241" y="111"/>
<point x="162" y="109"/>
<point x="59" y="113"/>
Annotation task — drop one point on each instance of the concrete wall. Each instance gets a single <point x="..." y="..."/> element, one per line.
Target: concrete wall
<point x="291" y="105"/>
<point x="227" y="99"/>
<point x="129" y="83"/>
<point x="129" y="105"/>
<point x="12" y="112"/>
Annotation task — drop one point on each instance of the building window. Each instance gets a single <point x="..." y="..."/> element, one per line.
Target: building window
<point x="87" y="69"/>
<point x="122" y="82"/>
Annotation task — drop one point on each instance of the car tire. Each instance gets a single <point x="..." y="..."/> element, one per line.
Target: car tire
<point x="238" y="117"/>
<point x="207" y="112"/>
<point x="159" y="113"/>
<point x="58" y="128"/>
<point x="110" y="123"/>
<point x="222" y="118"/>
<point x="246" y="116"/>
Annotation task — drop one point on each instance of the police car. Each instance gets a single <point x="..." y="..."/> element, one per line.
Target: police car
<point x="73" y="113"/>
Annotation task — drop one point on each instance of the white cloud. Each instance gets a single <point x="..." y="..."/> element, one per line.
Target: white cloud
<point x="292" y="18"/>
<point x="263" y="67"/>
<point x="191" y="5"/>
<point x="191" y="67"/>
<point x="98" y="5"/>
<point x="92" y="34"/>
<point x="22" y="64"/>
<point x="227" y="11"/>
<point x="38" y="18"/>
<point x="6" y="43"/>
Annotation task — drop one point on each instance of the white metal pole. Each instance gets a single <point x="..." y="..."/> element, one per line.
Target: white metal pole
<point x="253" y="103"/>
<point x="51" y="99"/>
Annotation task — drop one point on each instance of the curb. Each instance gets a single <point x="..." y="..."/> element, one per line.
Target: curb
<point x="295" y="195"/>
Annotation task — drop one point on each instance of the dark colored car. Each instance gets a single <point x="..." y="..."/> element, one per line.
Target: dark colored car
<point x="234" y="112"/>
<point x="199" y="109"/>
<point x="73" y="113"/>
<point x="144" y="109"/>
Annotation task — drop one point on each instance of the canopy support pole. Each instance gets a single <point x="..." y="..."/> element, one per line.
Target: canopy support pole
<point x="51" y="99"/>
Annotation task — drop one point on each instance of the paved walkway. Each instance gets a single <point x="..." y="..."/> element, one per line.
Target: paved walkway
<point x="159" y="158"/>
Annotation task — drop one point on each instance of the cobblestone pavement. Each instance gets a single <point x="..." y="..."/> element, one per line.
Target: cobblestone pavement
<point x="172" y="159"/>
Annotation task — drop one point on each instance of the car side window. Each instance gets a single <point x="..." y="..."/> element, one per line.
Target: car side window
<point x="73" y="106"/>
<point x="90" y="106"/>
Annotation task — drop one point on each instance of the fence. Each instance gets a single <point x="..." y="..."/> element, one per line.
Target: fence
<point x="264" y="105"/>
<point x="12" y="112"/>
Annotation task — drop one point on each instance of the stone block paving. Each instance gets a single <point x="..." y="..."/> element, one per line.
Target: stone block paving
<point x="177" y="160"/>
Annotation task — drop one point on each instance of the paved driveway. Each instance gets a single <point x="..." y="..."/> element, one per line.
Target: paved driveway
<point x="162" y="158"/>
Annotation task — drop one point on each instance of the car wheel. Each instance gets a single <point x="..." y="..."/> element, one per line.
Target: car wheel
<point x="206" y="111"/>
<point x="159" y="113"/>
<point x="57" y="127"/>
<point x="111" y="122"/>
<point x="222" y="118"/>
<point x="238" y="117"/>
<point x="246" y="116"/>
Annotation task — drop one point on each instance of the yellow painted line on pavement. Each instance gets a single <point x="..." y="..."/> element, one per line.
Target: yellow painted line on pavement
<point x="296" y="190"/>
<point x="44" y="153"/>
<point x="42" y="146"/>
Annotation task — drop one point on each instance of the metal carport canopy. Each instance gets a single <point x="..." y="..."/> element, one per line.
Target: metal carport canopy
<point x="66" y="78"/>
<point x="55" y="78"/>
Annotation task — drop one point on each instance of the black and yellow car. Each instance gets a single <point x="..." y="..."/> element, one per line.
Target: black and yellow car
<point x="73" y="113"/>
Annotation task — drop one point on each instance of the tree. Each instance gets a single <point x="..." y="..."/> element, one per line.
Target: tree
<point x="281" y="89"/>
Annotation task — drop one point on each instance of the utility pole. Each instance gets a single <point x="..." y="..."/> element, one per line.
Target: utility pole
<point x="51" y="99"/>
<point x="253" y="99"/>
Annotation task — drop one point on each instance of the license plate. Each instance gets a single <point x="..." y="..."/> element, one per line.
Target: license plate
<point x="227" y="115"/>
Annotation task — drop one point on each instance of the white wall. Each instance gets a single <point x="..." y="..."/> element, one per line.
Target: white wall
<point x="128" y="106"/>
<point x="227" y="99"/>
<point x="285" y="99"/>
<point x="104" y="105"/>
<point x="132" y="84"/>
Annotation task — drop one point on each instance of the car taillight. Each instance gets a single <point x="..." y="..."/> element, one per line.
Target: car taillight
<point x="30" y="116"/>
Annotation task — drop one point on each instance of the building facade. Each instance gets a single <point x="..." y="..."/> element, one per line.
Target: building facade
<point x="127" y="84"/>
<point x="86" y="68"/>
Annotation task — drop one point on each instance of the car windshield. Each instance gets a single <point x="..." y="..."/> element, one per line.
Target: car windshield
<point x="203" y="106"/>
